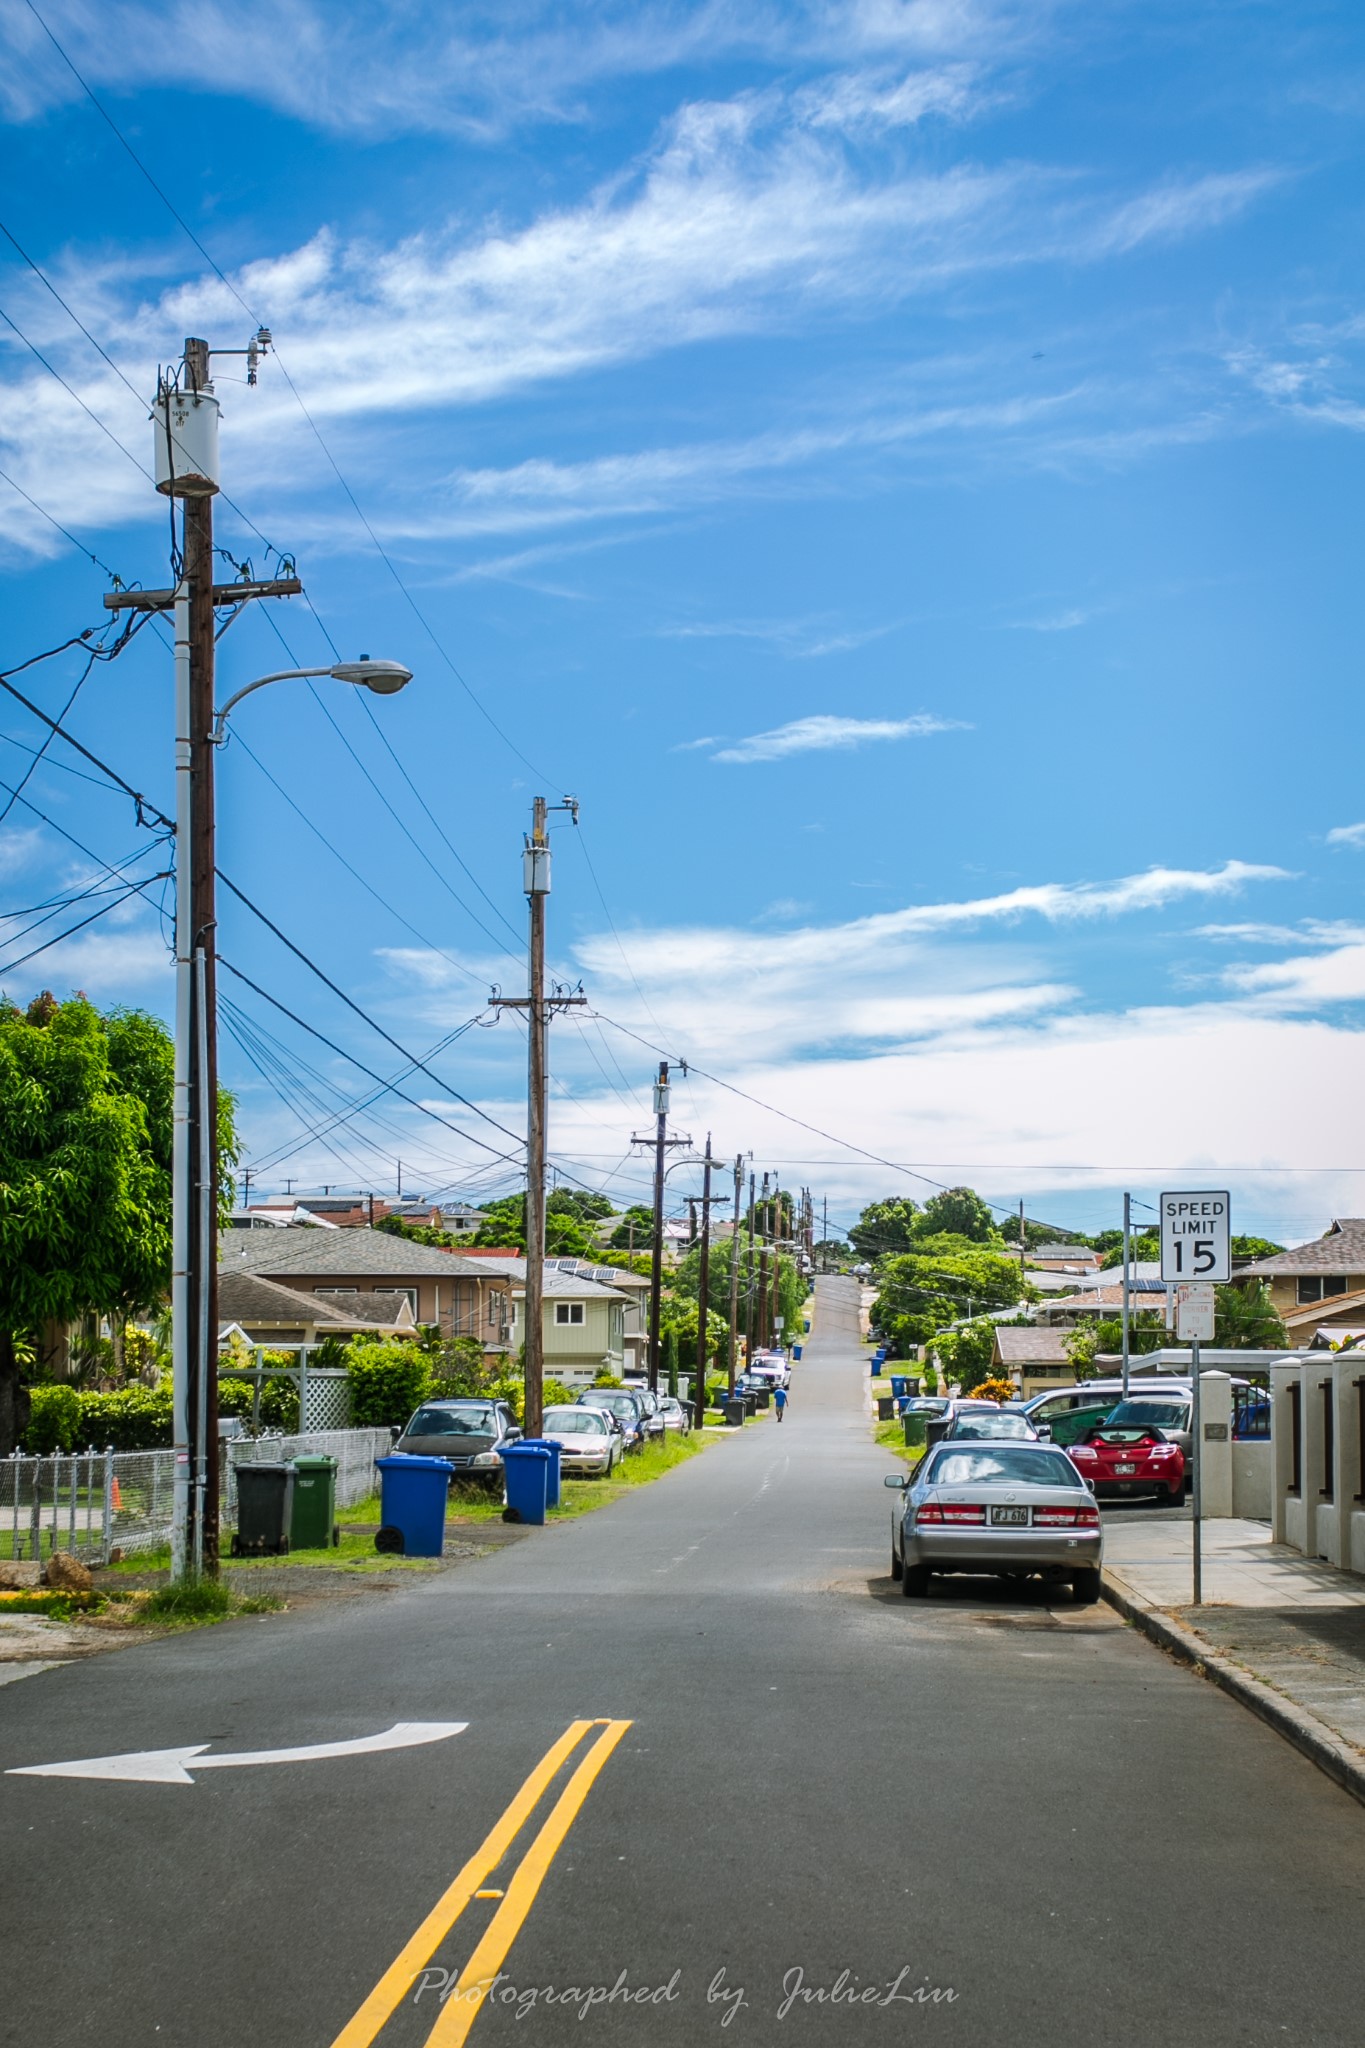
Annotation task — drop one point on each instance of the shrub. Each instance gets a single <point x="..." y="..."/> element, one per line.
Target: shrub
<point x="54" y="1421"/>
<point x="134" y="1419"/>
<point x="606" y="1378"/>
<point x="387" y="1382"/>
<point x="994" y="1390"/>
<point x="557" y="1395"/>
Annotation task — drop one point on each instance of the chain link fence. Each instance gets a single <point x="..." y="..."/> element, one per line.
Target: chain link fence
<point x="91" y="1503"/>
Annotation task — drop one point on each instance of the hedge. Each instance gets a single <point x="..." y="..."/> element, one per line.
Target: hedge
<point x="388" y="1382"/>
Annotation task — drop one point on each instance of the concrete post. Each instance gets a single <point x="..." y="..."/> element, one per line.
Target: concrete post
<point x="1216" y="1449"/>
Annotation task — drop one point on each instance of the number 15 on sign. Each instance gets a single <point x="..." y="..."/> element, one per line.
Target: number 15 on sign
<point x="1196" y="1241"/>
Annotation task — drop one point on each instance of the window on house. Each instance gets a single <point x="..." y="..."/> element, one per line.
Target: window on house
<point x="1340" y="1285"/>
<point x="1309" y="1290"/>
<point x="407" y="1294"/>
<point x="568" y="1311"/>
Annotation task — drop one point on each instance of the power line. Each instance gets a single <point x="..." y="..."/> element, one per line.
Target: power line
<point x="78" y="545"/>
<point x="419" y="1066"/>
<point x="145" y="809"/>
<point x="10" y="966"/>
<point x="223" y="279"/>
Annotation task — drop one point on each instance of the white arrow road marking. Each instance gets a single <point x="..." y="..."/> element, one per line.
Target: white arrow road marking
<point x="173" y="1766"/>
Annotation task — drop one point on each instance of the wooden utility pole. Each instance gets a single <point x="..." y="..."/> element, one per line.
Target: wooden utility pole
<point x="734" y="1272"/>
<point x="764" y="1232"/>
<point x="703" y="1291"/>
<point x="656" y="1264"/>
<point x="535" y="882"/>
<point x="186" y="451"/>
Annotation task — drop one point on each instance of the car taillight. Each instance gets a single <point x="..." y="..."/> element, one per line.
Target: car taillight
<point x="951" y="1511"/>
<point x="1082" y="1451"/>
<point x="1066" y="1518"/>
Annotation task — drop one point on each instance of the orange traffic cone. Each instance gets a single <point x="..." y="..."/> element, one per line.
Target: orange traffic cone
<point x="118" y="1498"/>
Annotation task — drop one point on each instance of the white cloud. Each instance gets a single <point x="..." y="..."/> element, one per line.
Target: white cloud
<point x="1181" y="207"/>
<point x="1347" y="835"/>
<point x="824" y="733"/>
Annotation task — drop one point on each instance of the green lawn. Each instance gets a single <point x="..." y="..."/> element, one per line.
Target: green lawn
<point x="891" y="1436"/>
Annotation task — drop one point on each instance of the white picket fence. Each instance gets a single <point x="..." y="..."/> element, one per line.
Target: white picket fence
<point x="94" y="1502"/>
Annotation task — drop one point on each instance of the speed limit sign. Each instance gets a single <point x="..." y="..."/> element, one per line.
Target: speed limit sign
<point x="1196" y="1239"/>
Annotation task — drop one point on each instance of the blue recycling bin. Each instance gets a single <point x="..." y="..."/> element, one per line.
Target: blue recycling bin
<point x="526" y="1468"/>
<point x="796" y="1352"/>
<point x="543" y="1443"/>
<point x="900" y="1385"/>
<point x="412" y="1505"/>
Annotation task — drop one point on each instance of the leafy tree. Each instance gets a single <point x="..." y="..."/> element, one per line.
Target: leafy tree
<point x="505" y="1229"/>
<point x="1146" y="1332"/>
<point x="966" y="1354"/>
<point x="885" y="1228"/>
<point x="85" y="1174"/>
<point x="636" y="1229"/>
<point x="1254" y="1248"/>
<point x="958" y="1212"/>
<point x="581" y="1204"/>
<point x="1245" y="1319"/>
<point x="949" y="1274"/>
<point x="1142" y="1244"/>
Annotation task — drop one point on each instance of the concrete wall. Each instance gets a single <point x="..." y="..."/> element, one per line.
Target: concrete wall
<point x="1316" y="1508"/>
<point x="1251" y="1481"/>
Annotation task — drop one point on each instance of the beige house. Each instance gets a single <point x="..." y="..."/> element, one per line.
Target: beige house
<point x="1035" y="1359"/>
<point x="266" y="1313"/>
<point x="1326" y="1277"/>
<point x="358" y="1269"/>
<point x="584" y="1322"/>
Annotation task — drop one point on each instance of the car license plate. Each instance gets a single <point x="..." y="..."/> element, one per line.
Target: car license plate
<point x="1125" y="1468"/>
<point x="1009" y="1518"/>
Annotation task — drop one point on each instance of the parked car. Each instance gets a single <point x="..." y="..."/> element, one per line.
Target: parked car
<point x="625" y="1404"/>
<point x="1171" y="1413"/>
<point x="774" y="1372"/>
<point x="1011" y="1510"/>
<point x="975" y="1425"/>
<point x="928" y="1405"/>
<point x="677" y="1416"/>
<point x="1118" y="1459"/>
<point x="653" y="1413"/>
<point x="588" y="1438"/>
<point x="471" y="1434"/>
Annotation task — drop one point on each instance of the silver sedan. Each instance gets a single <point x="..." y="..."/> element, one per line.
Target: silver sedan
<point x="1012" y="1510"/>
<point x="587" y="1438"/>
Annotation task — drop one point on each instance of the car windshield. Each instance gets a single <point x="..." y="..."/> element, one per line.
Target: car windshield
<point x="1009" y="1465"/>
<point x="471" y="1418"/>
<point x="619" y="1404"/>
<point x="1151" y="1414"/>
<point x="574" y="1422"/>
<point x="987" y="1426"/>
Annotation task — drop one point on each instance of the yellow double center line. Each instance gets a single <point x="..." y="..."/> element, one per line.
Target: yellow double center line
<point x="462" y="2005"/>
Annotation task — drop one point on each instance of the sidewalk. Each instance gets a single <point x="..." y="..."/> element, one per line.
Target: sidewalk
<point x="1284" y="1633"/>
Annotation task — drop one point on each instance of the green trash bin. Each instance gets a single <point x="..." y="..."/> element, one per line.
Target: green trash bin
<point x="913" y="1425"/>
<point x="313" y="1525"/>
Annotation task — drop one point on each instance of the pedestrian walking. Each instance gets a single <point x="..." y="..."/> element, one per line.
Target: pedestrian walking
<point x="780" y="1401"/>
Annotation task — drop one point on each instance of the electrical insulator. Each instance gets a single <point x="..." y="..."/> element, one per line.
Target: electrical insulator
<point x="535" y="870"/>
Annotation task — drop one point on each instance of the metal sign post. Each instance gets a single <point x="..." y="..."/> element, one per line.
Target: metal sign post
<point x="1196" y="1499"/>
<point x="1196" y="1255"/>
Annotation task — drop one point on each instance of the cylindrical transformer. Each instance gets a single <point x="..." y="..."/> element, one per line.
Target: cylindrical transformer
<point x="185" y="434"/>
<point x="535" y="867"/>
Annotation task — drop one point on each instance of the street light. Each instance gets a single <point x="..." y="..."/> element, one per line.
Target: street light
<point x="384" y="678"/>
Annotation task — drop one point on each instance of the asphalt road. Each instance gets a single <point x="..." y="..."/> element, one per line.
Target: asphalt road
<point x="822" y="1788"/>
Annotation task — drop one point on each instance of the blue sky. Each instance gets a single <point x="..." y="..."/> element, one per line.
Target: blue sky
<point x="897" y="464"/>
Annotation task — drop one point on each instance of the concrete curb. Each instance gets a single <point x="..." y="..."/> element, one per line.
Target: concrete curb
<point x="1311" y="1737"/>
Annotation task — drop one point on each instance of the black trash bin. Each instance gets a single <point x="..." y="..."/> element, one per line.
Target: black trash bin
<point x="886" y="1407"/>
<point x="265" y="1507"/>
<point x="734" y="1412"/>
<point x="765" y="1399"/>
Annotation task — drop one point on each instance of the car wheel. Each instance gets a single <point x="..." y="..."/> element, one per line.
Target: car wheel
<point x="1085" y="1587"/>
<point x="896" y="1566"/>
<point x="915" y="1580"/>
<point x="1175" y="1496"/>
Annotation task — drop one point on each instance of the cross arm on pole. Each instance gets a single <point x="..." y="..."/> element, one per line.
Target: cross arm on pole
<point x="223" y="593"/>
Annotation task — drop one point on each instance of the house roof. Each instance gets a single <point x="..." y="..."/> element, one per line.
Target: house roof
<point x="1315" y="1313"/>
<point x="607" y="1276"/>
<point x="572" y="1284"/>
<point x="248" y="1298"/>
<point x="1031" y="1346"/>
<point x="358" y="1254"/>
<point x="1079" y="1254"/>
<point x="1139" y="1271"/>
<point x="1144" y="1294"/>
<point x="1339" y="1250"/>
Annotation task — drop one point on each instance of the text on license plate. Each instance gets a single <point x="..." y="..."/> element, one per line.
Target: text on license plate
<point x="1013" y="1518"/>
<point x="1125" y="1468"/>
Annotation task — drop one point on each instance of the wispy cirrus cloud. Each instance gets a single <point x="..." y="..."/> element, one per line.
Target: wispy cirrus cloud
<point x="824" y="733"/>
<point x="1347" y="835"/>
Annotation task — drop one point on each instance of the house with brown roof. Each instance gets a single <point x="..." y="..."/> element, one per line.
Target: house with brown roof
<point x="266" y="1313"/>
<point x="1326" y="1277"/>
<point x="362" y="1271"/>
<point x="1035" y="1359"/>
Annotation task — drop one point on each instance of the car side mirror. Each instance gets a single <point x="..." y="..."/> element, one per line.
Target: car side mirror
<point x="1090" y="1485"/>
<point x="395" y="1432"/>
<point x="897" y="1480"/>
<point x="1044" y="1430"/>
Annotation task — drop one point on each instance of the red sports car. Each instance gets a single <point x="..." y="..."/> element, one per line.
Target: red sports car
<point x="1126" y="1458"/>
